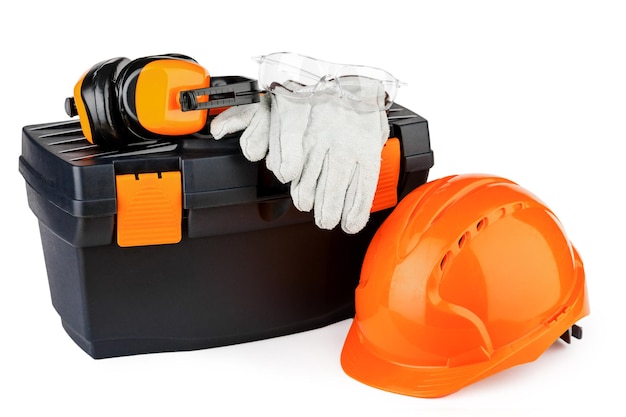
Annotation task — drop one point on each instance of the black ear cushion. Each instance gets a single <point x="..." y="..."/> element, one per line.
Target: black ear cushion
<point x="98" y="92"/>
<point x="126" y="87"/>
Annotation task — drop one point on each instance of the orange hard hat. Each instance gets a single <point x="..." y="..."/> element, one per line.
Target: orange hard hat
<point x="468" y="276"/>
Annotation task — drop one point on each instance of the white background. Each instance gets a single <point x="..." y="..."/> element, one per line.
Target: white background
<point x="534" y="91"/>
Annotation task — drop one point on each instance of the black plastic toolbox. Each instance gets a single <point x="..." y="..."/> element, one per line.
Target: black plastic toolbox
<point x="246" y="265"/>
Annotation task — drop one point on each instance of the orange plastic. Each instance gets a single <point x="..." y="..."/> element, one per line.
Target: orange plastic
<point x="157" y="96"/>
<point x="149" y="208"/>
<point x="387" y="189"/>
<point x="82" y="110"/>
<point x="468" y="276"/>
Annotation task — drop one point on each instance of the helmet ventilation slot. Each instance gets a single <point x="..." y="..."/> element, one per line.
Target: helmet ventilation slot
<point x="482" y="223"/>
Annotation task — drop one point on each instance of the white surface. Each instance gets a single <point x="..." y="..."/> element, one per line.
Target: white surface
<point x="533" y="92"/>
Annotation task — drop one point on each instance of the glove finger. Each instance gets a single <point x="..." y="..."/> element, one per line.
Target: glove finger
<point x="384" y="127"/>
<point x="362" y="190"/>
<point x="359" y="198"/>
<point x="233" y="119"/>
<point x="273" y="153"/>
<point x="330" y="194"/>
<point x="288" y="125"/>
<point x="304" y="185"/>
<point x="254" y="141"/>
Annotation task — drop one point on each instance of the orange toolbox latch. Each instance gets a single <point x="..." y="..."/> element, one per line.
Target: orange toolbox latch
<point x="387" y="188"/>
<point x="149" y="208"/>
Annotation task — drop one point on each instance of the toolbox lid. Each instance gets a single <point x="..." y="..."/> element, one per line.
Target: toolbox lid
<point x="81" y="179"/>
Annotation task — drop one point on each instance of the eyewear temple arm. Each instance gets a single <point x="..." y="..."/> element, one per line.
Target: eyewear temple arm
<point x="224" y="92"/>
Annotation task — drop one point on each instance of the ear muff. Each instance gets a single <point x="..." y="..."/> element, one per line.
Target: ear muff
<point x="148" y="91"/>
<point x="95" y="102"/>
<point x="121" y="101"/>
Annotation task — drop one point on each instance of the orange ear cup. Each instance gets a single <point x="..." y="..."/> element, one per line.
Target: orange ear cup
<point x="149" y="95"/>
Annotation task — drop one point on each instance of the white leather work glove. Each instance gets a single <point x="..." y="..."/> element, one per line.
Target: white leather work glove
<point x="274" y="129"/>
<point x="326" y="146"/>
<point x="342" y="157"/>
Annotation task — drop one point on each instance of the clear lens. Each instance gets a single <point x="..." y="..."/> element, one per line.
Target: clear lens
<point x="306" y="76"/>
<point x="363" y="93"/>
<point x="366" y="75"/>
<point x="282" y="68"/>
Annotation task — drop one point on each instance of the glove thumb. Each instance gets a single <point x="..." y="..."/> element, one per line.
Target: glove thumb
<point x="233" y="119"/>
